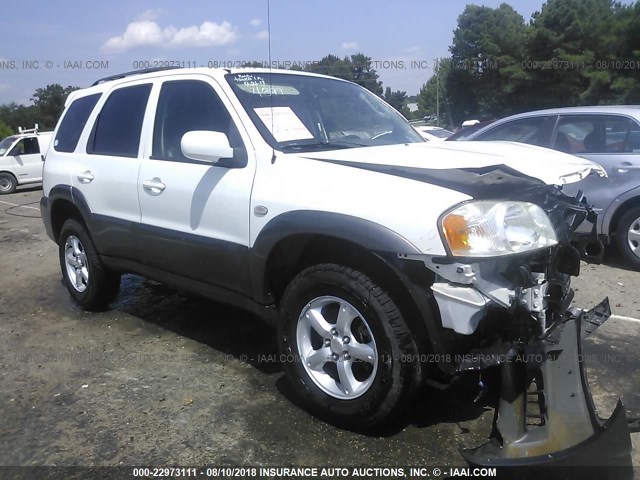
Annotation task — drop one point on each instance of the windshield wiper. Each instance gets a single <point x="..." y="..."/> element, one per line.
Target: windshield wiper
<point x="320" y="146"/>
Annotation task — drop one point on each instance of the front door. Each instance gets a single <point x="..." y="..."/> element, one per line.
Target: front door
<point x="195" y="215"/>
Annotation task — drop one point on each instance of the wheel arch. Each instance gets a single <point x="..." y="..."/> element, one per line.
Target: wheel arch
<point x="302" y="239"/>
<point x="66" y="202"/>
<point x="620" y="211"/>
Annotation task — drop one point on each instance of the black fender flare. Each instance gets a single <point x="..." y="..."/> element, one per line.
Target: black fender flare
<point x="365" y="233"/>
<point x="67" y="193"/>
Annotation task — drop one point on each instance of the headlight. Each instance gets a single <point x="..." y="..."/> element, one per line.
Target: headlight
<point x="489" y="228"/>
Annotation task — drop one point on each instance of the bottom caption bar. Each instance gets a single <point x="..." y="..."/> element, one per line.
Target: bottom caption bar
<point x="332" y="473"/>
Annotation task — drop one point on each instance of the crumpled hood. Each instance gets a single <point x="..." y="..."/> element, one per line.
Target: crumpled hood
<point x="550" y="166"/>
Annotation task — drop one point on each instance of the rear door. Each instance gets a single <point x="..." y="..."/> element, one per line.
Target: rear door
<point x="195" y="215"/>
<point x="612" y="141"/>
<point x="105" y="167"/>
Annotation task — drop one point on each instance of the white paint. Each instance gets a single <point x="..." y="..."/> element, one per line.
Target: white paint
<point x="21" y="206"/>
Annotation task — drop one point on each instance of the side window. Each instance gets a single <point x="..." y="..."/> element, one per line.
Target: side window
<point x="633" y="138"/>
<point x="595" y="133"/>
<point x="73" y="123"/>
<point x="183" y="106"/>
<point x="118" y="126"/>
<point x="31" y="146"/>
<point x="526" y="130"/>
<point x="18" y="149"/>
<point x="26" y="146"/>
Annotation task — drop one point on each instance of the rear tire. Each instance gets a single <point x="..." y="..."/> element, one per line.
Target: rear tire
<point x="345" y="347"/>
<point x="8" y="183"/>
<point x="88" y="281"/>
<point x="628" y="237"/>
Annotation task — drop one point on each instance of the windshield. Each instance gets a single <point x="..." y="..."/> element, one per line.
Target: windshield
<point x="6" y="143"/>
<point x="298" y="113"/>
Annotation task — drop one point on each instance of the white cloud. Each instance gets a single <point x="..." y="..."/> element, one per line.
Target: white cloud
<point x="350" y="45"/>
<point x="262" y="35"/>
<point x="4" y="86"/>
<point x="152" y="14"/>
<point x="255" y="22"/>
<point x="149" y="33"/>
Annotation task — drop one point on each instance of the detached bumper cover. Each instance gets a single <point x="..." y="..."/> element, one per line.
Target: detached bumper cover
<point x="546" y="415"/>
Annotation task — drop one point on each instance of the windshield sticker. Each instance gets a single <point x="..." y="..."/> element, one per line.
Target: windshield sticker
<point x="283" y="123"/>
<point x="257" y="85"/>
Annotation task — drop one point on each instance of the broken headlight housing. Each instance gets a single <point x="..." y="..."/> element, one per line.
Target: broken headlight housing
<point x="495" y="228"/>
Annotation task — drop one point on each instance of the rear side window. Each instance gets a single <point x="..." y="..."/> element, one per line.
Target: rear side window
<point x="597" y="134"/>
<point x="526" y="130"/>
<point x="633" y="139"/>
<point x="118" y="126"/>
<point x="73" y="123"/>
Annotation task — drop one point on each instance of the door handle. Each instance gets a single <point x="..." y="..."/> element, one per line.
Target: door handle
<point x="154" y="186"/>
<point x="625" y="167"/>
<point x="85" y="177"/>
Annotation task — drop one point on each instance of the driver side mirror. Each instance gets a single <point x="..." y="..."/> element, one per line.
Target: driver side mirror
<point x="206" y="146"/>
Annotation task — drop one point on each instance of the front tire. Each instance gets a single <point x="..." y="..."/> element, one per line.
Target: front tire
<point x="628" y="237"/>
<point x="8" y="183"/>
<point x="89" y="283"/>
<point x="345" y="346"/>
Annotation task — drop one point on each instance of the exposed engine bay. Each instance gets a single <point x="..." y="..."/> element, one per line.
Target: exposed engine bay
<point x="515" y="312"/>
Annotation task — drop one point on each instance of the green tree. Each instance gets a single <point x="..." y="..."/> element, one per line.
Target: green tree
<point x="625" y="86"/>
<point x="5" y="130"/>
<point x="49" y="101"/>
<point x="15" y="116"/>
<point x="397" y="100"/>
<point x="487" y="54"/>
<point x="358" y="69"/>
<point x="568" y="37"/>
<point x="434" y="91"/>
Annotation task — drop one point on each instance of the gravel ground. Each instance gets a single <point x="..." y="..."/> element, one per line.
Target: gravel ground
<point x="168" y="378"/>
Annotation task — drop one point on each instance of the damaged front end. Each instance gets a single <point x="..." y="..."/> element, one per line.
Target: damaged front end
<point x="515" y="312"/>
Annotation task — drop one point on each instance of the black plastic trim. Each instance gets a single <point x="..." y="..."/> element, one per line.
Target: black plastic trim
<point x="367" y="234"/>
<point x="45" y="213"/>
<point x="208" y="260"/>
<point x="212" y="292"/>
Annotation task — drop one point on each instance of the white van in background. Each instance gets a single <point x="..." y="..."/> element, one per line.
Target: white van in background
<point x="21" y="158"/>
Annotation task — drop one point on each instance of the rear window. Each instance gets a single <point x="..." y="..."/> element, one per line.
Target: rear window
<point x="73" y="123"/>
<point x="118" y="126"/>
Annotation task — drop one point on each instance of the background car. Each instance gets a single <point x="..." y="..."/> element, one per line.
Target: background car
<point x="608" y="135"/>
<point x="433" y="134"/>
<point x="466" y="132"/>
<point x="21" y="158"/>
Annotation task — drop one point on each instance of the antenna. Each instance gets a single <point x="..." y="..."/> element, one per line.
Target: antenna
<point x="273" y="158"/>
<point x="269" y="30"/>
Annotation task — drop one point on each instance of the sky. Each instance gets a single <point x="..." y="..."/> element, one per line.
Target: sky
<point x="75" y="42"/>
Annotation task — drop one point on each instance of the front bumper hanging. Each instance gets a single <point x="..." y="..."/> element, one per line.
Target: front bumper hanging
<point x="546" y="416"/>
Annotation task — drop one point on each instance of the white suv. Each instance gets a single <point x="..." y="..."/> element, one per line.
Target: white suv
<point x="21" y="158"/>
<point x="383" y="260"/>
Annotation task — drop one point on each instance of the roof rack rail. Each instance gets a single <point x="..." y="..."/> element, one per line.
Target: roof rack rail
<point x="22" y="131"/>
<point x="133" y="72"/>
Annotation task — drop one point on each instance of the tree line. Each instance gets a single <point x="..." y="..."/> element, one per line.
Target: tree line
<point x="47" y="106"/>
<point x="571" y="52"/>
